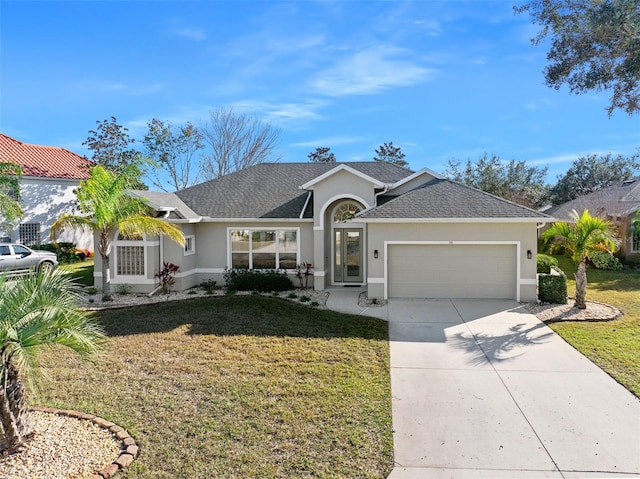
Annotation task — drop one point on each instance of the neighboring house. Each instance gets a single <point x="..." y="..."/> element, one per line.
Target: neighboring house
<point x="374" y="224"/>
<point x="618" y="204"/>
<point x="50" y="176"/>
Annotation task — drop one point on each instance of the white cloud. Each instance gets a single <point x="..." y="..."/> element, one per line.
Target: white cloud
<point x="193" y="33"/>
<point x="328" y="141"/>
<point x="370" y="71"/>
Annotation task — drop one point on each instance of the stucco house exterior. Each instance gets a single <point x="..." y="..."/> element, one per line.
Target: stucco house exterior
<point x="618" y="204"/>
<point x="398" y="232"/>
<point x="50" y="176"/>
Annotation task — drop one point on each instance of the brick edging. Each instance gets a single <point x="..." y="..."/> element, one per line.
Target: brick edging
<point x="129" y="449"/>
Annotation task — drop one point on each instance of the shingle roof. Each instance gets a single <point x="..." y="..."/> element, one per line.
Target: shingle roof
<point x="620" y="199"/>
<point x="441" y="198"/>
<point x="171" y="201"/>
<point x="271" y="190"/>
<point x="44" y="161"/>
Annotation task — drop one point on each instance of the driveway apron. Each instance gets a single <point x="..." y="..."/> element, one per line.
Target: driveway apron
<point x="483" y="389"/>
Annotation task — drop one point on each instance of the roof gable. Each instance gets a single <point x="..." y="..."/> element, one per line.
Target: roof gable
<point x="444" y="200"/>
<point x="621" y="199"/>
<point x="341" y="167"/>
<point x="44" y="161"/>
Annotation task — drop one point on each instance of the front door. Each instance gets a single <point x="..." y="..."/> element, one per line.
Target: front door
<point x="347" y="254"/>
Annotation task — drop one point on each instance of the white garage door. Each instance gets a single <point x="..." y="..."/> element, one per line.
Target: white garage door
<point x="452" y="271"/>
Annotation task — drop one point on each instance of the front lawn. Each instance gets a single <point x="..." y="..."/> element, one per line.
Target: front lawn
<point x="238" y="387"/>
<point x="615" y="345"/>
<point x="81" y="271"/>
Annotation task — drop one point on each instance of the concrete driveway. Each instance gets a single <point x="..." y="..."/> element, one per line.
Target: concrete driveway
<point x="483" y="389"/>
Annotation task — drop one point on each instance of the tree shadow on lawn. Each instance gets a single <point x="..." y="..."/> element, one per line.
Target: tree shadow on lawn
<point x="240" y="315"/>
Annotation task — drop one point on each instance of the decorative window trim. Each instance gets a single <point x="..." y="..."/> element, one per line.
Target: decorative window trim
<point x="190" y="245"/>
<point x="122" y="243"/>
<point x="250" y="251"/>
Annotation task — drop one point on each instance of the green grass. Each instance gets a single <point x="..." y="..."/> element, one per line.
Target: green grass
<point x="615" y="345"/>
<point x="239" y="387"/>
<point x="81" y="271"/>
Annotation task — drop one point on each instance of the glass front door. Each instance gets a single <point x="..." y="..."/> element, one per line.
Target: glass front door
<point x="347" y="247"/>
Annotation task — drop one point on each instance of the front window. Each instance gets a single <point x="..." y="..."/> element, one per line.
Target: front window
<point x="129" y="255"/>
<point x="29" y="233"/>
<point x="264" y="248"/>
<point x="189" y="245"/>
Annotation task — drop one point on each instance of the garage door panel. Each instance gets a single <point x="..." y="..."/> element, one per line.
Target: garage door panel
<point x="452" y="271"/>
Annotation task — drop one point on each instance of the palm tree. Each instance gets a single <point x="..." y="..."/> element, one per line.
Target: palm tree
<point x="108" y="208"/>
<point x="36" y="310"/>
<point x="581" y="238"/>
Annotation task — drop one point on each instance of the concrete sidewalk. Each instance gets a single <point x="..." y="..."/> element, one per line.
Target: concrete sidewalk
<point x="483" y="389"/>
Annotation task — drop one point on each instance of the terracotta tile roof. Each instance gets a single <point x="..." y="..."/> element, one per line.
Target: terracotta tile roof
<point x="44" y="161"/>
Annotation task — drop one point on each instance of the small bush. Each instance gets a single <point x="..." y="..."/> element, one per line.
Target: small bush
<point x="123" y="288"/>
<point x="91" y="290"/>
<point x="552" y="287"/>
<point x="604" y="260"/>
<point x="315" y="303"/>
<point x="305" y="299"/>
<point x="263" y="281"/>
<point x="545" y="262"/>
<point x="65" y="252"/>
<point x="292" y="296"/>
<point x="208" y="285"/>
<point x="167" y="276"/>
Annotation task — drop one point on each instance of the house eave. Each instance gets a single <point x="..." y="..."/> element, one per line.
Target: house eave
<point x="310" y="184"/>
<point x="207" y="219"/>
<point x="456" y="220"/>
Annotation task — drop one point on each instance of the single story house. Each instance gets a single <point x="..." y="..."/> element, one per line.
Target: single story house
<point x="50" y="175"/>
<point x="618" y="204"/>
<point x="400" y="233"/>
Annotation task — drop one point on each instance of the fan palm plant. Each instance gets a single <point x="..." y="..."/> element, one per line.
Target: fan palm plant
<point x="108" y="208"/>
<point x="36" y="311"/>
<point x="581" y="238"/>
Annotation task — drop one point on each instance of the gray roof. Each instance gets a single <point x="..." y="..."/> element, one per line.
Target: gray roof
<point x="165" y="201"/>
<point x="272" y="190"/>
<point x="441" y="198"/>
<point x="618" y="200"/>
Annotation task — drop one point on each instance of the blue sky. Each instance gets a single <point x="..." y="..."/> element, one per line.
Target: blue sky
<point x="441" y="79"/>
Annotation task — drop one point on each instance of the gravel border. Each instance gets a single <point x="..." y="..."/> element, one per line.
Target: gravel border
<point x="553" y="313"/>
<point x="44" y="457"/>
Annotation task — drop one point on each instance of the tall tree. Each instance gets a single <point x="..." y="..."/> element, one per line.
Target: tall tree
<point x="173" y="149"/>
<point x="234" y="141"/>
<point x="111" y="145"/>
<point x="581" y="238"/>
<point x="592" y="173"/>
<point x="108" y="208"/>
<point x="595" y="45"/>
<point x="36" y="311"/>
<point x="10" y="209"/>
<point x="514" y="181"/>
<point x="391" y="154"/>
<point x="322" y="155"/>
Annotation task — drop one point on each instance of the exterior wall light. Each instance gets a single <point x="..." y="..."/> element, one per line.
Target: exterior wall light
<point x="375" y="253"/>
<point x="529" y="255"/>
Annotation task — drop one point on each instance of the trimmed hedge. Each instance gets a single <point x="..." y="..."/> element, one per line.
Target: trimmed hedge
<point x="552" y="287"/>
<point x="545" y="262"/>
<point x="66" y="252"/>
<point x="264" y="281"/>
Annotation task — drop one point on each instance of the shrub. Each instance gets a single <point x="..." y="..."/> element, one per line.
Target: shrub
<point x="167" y="276"/>
<point x="91" y="290"/>
<point x="545" y="262"/>
<point x="604" y="260"/>
<point x="123" y="289"/>
<point x="257" y="280"/>
<point x="65" y="252"/>
<point x="208" y="285"/>
<point x="303" y="271"/>
<point x="305" y="299"/>
<point x="552" y="287"/>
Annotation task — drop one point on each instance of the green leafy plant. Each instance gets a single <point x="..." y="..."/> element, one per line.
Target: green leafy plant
<point x="123" y="288"/>
<point x="209" y="286"/>
<point x="263" y="281"/>
<point x="545" y="262"/>
<point x="604" y="260"/>
<point x="304" y="299"/>
<point x="552" y="287"/>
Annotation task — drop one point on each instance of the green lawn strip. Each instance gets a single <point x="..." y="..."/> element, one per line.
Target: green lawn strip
<point x="82" y="271"/>
<point x="237" y="387"/>
<point x="614" y="345"/>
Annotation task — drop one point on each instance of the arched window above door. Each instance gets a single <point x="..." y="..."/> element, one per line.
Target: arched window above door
<point x="345" y="211"/>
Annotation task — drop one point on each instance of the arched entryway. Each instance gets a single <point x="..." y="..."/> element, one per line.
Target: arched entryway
<point x="347" y="243"/>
